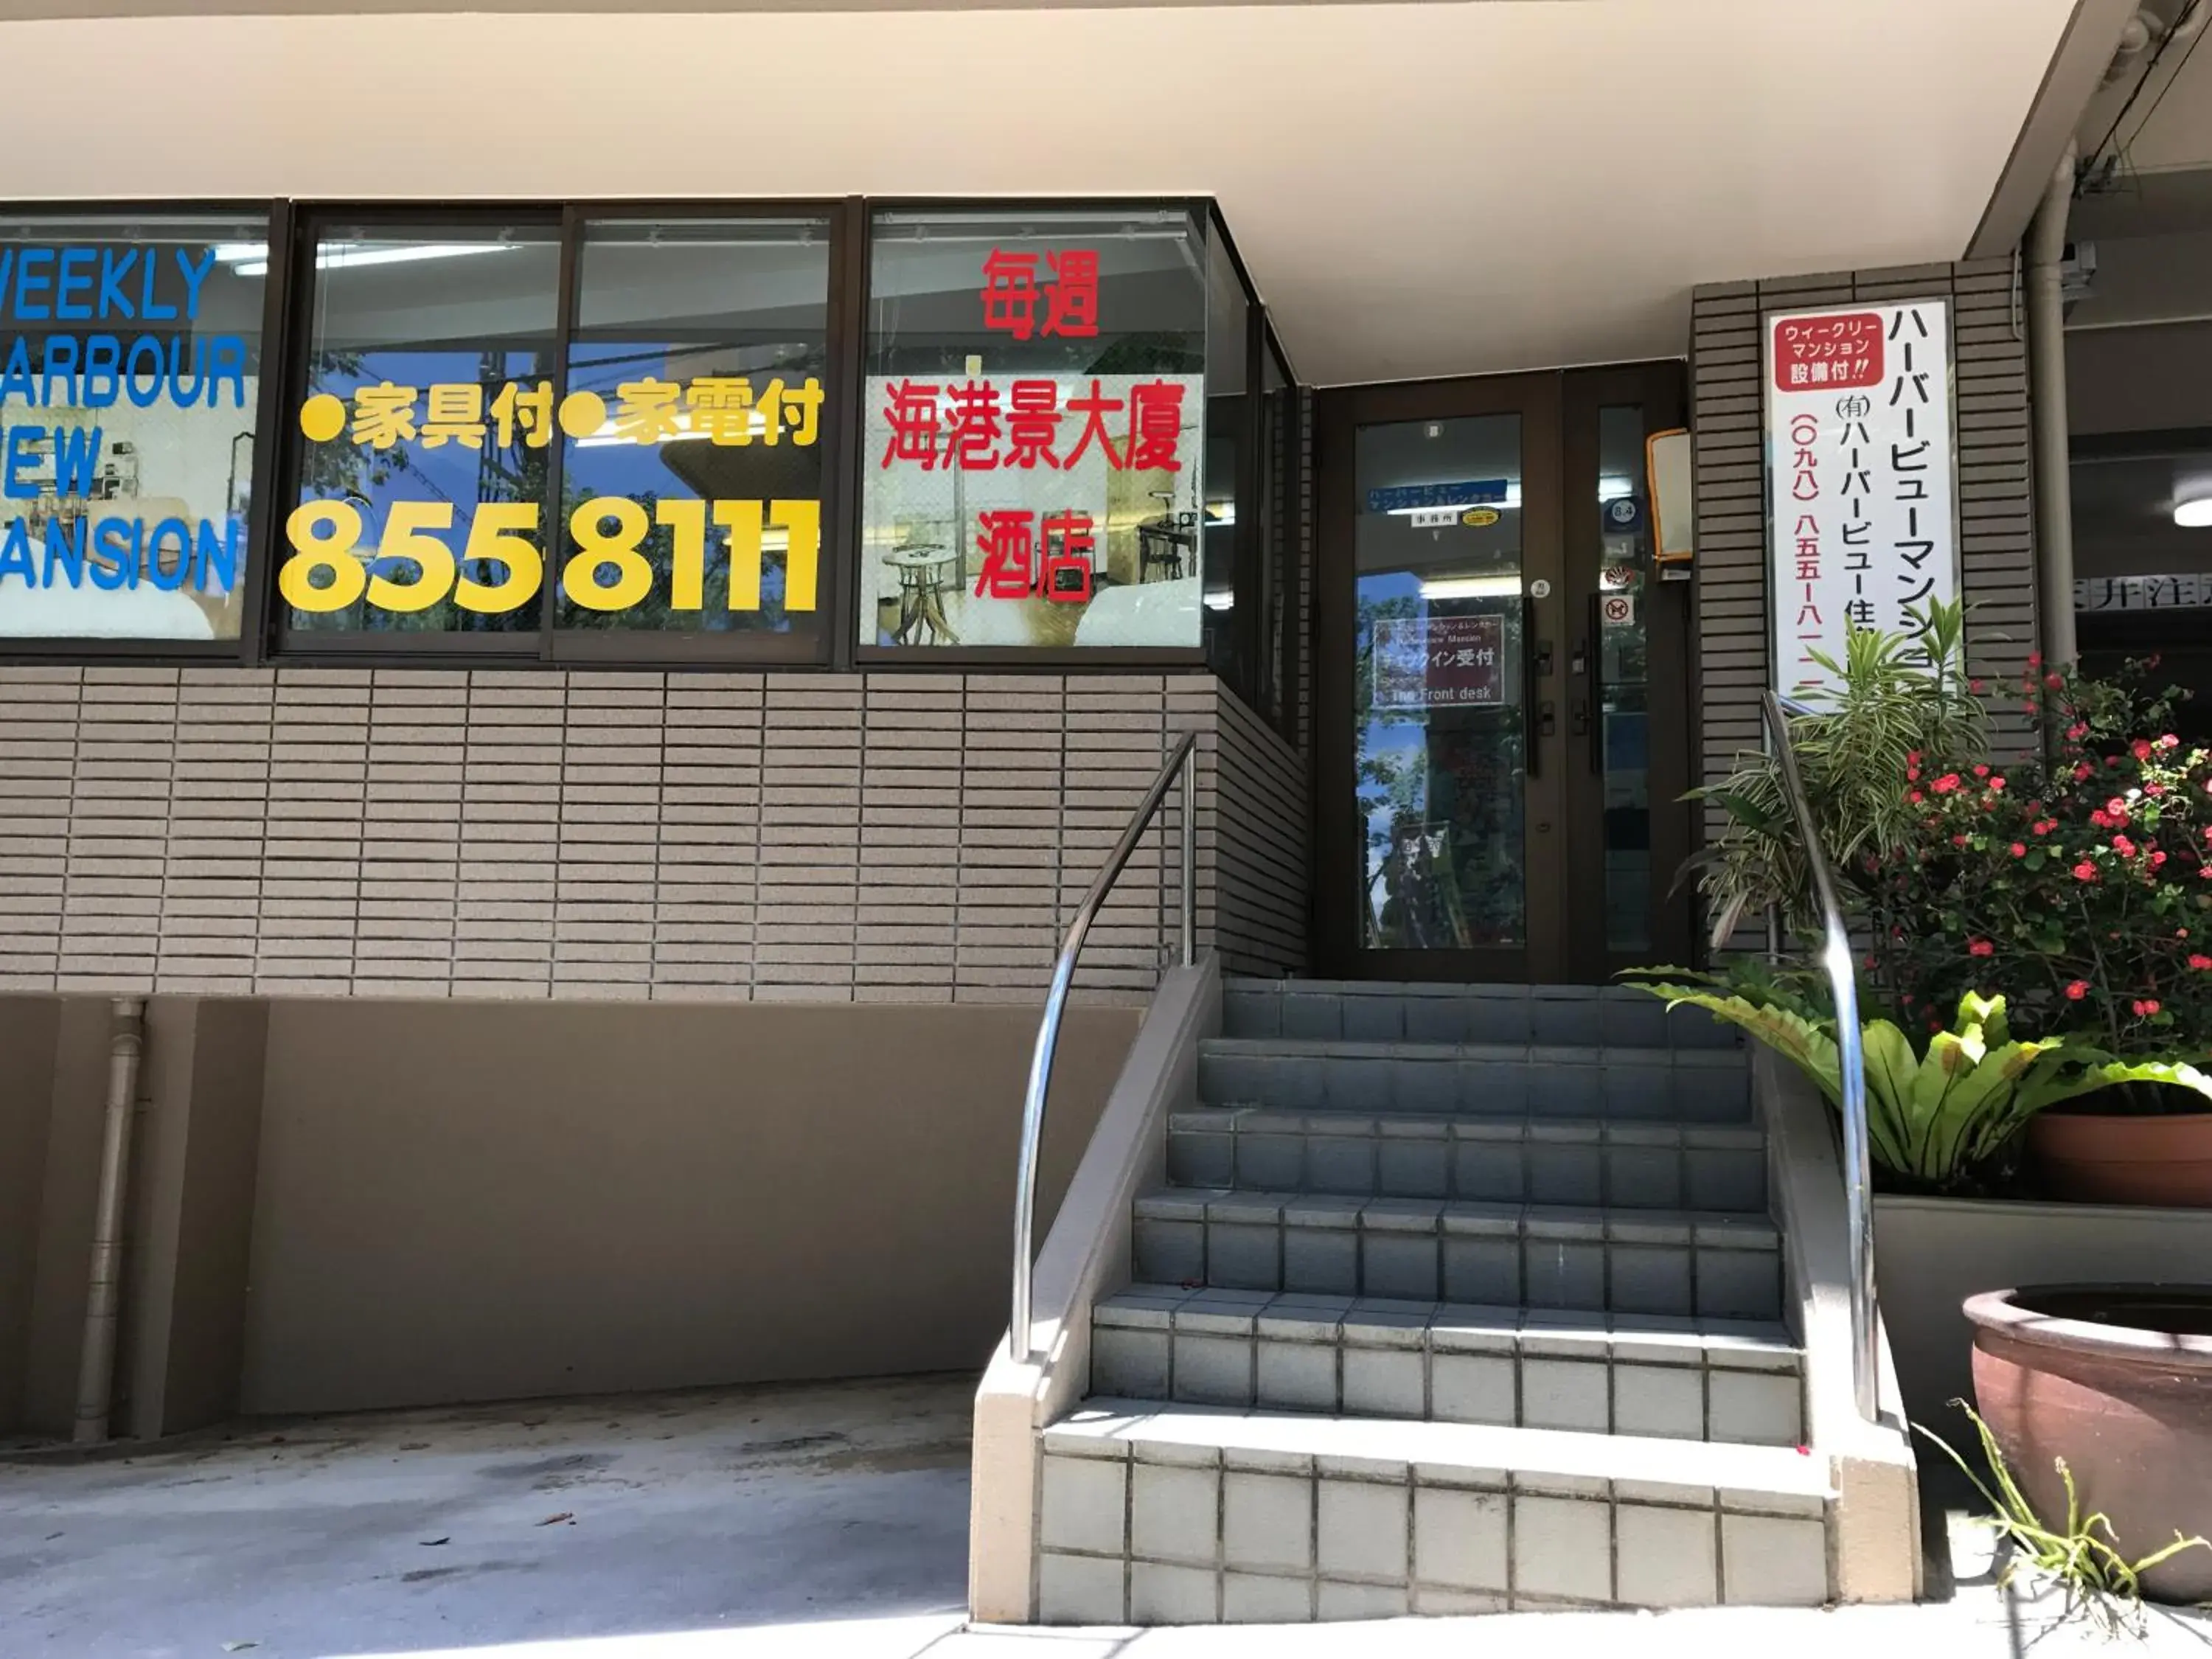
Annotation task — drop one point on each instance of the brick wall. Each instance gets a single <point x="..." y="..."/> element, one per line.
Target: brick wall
<point x="408" y="832"/>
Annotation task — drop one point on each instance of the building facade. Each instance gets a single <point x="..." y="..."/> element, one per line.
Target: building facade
<point x="579" y="676"/>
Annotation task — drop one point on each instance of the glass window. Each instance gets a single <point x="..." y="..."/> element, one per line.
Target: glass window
<point x="701" y="347"/>
<point x="1228" y="357"/>
<point x="129" y="379"/>
<point x="1034" y="472"/>
<point x="1279" y="437"/>
<point x="454" y="481"/>
<point x="427" y="415"/>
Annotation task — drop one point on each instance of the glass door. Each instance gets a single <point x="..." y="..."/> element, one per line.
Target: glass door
<point x="1501" y="708"/>
<point x="1442" y="596"/>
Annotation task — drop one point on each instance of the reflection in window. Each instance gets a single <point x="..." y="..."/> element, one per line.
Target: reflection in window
<point x="692" y="483"/>
<point x="2142" y="562"/>
<point x="1439" y="737"/>
<point x="1033" y="473"/>
<point x="428" y="417"/>
<point x="129" y="378"/>
<point x="1228" y="352"/>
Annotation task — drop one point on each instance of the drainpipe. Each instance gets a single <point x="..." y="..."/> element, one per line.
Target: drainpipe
<point x="2046" y="356"/>
<point x="95" y="1372"/>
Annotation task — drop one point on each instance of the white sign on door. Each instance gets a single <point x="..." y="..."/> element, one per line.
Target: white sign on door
<point x="1861" y="505"/>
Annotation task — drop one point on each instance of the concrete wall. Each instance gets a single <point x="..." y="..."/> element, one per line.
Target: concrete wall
<point x="463" y="1201"/>
<point x="1931" y="1253"/>
<point x="354" y="1202"/>
<point x="28" y="1028"/>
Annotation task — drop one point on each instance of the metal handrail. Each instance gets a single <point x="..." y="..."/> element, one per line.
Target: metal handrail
<point x="1018" y="1337"/>
<point x="1836" y="957"/>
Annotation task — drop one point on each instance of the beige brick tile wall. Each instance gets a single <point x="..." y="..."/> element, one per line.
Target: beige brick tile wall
<point x="406" y="832"/>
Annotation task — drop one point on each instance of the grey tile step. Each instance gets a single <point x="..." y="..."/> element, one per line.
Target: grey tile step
<point x="1157" y="1514"/>
<point x="1687" y="1263"/>
<point x="1700" y="1085"/>
<point x="1627" y="1163"/>
<point x="1582" y="1016"/>
<point x="1729" y="1380"/>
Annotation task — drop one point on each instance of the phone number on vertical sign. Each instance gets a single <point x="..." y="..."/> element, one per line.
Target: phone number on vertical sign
<point x="608" y="571"/>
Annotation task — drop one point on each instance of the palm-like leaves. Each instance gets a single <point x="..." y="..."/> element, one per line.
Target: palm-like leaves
<point x="1935" y="1117"/>
<point x="1896" y="694"/>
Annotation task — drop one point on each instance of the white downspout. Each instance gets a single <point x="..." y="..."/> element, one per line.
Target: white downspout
<point x="95" y="1373"/>
<point x="2047" y="356"/>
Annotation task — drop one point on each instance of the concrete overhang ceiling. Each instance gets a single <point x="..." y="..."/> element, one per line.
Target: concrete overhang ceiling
<point x="1417" y="189"/>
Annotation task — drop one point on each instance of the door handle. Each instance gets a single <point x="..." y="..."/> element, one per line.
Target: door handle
<point x="1596" y="660"/>
<point x="1532" y="747"/>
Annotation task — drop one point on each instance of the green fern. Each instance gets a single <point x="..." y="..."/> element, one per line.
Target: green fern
<point x="1934" y="1117"/>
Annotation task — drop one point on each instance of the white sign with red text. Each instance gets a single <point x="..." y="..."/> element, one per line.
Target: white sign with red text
<point x="1861" y="503"/>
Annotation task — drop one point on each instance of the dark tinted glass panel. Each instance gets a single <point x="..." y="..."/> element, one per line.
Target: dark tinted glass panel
<point x="692" y="481"/>
<point x="427" y="421"/>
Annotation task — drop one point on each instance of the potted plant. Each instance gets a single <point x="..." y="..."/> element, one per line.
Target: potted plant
<point x="2069" y="894"/>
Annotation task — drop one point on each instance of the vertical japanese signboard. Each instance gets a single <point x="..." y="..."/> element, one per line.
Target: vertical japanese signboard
<point x="1862" y="505"/>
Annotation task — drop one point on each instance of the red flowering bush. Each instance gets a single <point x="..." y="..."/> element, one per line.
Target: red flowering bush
<point x="2077" y="883"/>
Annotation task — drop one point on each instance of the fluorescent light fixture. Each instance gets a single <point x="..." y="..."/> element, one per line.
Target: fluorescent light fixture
<point x="2194" y="514"/>
<point x="608" y="434"/>
<point x="252" y="259"/>
<point x="1472" y="587"/>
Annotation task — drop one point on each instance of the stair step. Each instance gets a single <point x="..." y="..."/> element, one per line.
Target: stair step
<point x="1499" y="1159"/>
<point x="1723" y="1380"/>
<point x="1580" y="1016"/>
<point x="1707" y="1264"/>
<point x="1157" y="1513"/>
<point x="1702" y="1086"/>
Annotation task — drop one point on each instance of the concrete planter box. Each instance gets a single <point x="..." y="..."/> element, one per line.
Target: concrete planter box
<point x="1930" y="1254"/>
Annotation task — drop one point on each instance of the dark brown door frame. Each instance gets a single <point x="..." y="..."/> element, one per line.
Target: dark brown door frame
<point x="1560" y="543"/>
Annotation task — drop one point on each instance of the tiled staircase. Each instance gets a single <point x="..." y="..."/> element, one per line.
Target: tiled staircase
<point x="1459" y="1298"/>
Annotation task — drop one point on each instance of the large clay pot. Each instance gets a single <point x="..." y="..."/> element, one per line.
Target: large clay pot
<point x="2117" y="1379"/>
<point x="2099" y="1157"/>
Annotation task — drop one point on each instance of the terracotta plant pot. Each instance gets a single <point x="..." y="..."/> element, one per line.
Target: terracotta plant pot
<point x="2099" y="1157"/>
<point x="2117" y="1379"/>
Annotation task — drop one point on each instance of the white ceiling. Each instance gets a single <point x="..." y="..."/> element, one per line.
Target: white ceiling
<point x="1418" y="189"/>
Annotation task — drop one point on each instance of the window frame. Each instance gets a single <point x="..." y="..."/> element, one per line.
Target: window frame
<point x="556" y="648"/>
<point x="292" y="226"/>
<point x="1205" y="219"/>
<point x="26" y="651"/>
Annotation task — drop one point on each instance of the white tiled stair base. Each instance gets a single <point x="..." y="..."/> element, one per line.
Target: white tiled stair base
<point x="1717" y="1379"/>
<point x="1191" y="1515"/>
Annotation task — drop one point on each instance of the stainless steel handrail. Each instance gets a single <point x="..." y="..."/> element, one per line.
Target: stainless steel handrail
<point x="1019" y="1336"/>
<point x="1835" y="958"/>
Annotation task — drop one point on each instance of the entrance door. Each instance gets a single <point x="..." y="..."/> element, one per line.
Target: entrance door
<point x="1502" y="686"/>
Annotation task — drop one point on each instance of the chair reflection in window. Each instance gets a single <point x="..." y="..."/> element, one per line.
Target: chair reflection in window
<point x="1163" y="539"/>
